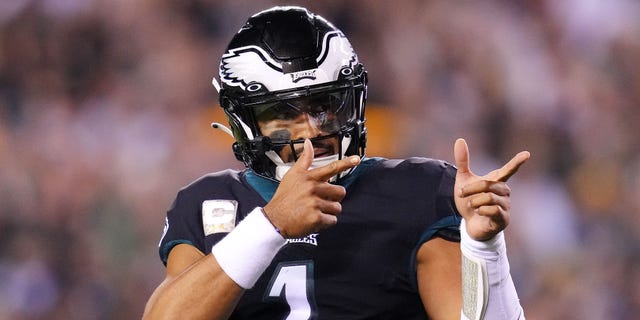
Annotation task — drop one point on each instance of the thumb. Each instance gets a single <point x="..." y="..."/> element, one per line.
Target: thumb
<point x="461" y="155"/>
<point x="306" y="158"/>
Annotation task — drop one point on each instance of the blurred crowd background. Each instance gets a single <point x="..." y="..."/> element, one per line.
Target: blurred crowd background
<point x="106" y="105"/>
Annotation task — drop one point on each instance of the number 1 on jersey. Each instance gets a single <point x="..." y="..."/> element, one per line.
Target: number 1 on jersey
<point x="293" y="282"/>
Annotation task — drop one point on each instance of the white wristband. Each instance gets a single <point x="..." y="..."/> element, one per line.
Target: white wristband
<point x="247" y="251"/>
<point x="491" y="249"/>
<point x="488" y="290"/>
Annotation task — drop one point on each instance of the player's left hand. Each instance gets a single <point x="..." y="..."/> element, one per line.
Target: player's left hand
<point x="484" y="201"/>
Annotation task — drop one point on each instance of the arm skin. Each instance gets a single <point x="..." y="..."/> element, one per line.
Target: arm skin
<point x="196" y="287"/>
<point x="485" y="203"/>
<point x="191" y="279"/>
<point x="439" y="270"/>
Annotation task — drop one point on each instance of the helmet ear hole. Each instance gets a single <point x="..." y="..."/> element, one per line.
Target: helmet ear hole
<point x="254" y="87"/>
<point x="345" y="72"/>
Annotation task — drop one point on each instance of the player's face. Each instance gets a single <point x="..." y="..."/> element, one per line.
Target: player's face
<point x="301" y="119"/>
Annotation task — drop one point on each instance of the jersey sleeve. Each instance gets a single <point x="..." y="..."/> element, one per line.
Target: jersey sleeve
<point x="448" y="224"/>
<point x="184" y="220"/>
<point x="183" y="224"/>
<point x="448" y="227"/>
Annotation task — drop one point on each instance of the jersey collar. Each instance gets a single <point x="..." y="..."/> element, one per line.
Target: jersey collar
<point x="266" y="188"/>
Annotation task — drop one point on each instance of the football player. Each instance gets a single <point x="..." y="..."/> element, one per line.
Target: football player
<point x="313" y="229"/>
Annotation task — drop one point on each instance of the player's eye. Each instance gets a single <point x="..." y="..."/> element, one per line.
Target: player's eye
<point x="279" y="111"/>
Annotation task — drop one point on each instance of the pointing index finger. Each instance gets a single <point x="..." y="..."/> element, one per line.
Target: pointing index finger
<point x="510" y="168"/>
<point x="325" y="173"/>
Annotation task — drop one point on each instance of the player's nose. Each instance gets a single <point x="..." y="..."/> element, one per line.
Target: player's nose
<point x="306" y="127"/>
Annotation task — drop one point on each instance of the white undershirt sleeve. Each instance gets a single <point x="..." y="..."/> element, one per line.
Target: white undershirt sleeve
<point x="488" y="290"/>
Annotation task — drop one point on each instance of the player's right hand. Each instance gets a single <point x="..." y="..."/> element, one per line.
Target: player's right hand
<point x="305" y="202"/>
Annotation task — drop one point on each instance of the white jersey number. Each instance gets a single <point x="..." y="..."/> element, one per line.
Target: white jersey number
<point x="293" y="282"/>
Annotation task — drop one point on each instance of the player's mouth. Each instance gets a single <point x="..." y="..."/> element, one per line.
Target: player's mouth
<point x="323" y="152"/>
<point x="320" y="149"/>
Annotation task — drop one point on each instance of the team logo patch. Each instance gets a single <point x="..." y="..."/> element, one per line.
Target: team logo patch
<point x="219" y="216"/>
<point x="306" y="74"/>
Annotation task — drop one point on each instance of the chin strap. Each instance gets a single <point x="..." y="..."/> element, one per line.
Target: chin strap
<point x="283" y="167"/>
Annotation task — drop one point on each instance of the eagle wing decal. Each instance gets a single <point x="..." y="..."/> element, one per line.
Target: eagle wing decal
<point x="250" y="62"/>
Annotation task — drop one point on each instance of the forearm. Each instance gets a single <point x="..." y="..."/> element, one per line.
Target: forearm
<point x="488" y="289"/>
<point x="204" y="291"/>
<point x="210" y="287"/>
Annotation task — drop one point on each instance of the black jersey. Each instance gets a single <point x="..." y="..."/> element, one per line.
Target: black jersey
<point x="361" y="268"/>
